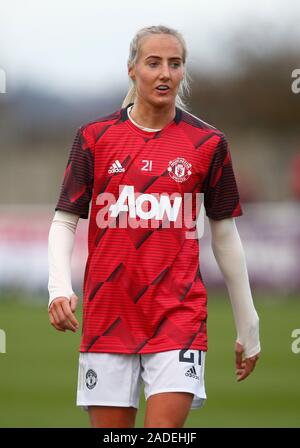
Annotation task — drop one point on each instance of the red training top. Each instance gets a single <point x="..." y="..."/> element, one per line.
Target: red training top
<point x="143" y="291"/>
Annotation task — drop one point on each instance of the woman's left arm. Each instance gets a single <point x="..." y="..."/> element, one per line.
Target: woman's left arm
<point x="229" y="253"/>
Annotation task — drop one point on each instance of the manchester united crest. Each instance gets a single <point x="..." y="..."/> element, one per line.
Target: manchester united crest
<point x="179" y="169"/>
<point x="91" y="379"/>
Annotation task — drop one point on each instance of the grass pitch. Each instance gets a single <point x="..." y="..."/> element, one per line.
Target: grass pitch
<point x="38" y="372"/>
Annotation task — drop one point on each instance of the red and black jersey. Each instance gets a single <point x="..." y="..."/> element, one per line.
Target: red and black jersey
<point x="142" y="290"/>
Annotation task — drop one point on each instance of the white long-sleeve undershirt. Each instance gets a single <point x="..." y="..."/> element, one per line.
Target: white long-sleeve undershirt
<point x="60" y="248"/>
<point x="228" y="251"/>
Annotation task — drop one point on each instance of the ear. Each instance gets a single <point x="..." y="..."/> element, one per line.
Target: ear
<point x="131" y="72"/>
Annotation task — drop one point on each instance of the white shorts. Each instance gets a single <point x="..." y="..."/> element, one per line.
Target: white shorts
<point x="114" y="379"/>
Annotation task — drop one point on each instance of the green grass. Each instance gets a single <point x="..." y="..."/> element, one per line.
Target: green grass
<point x="38" y="374"/>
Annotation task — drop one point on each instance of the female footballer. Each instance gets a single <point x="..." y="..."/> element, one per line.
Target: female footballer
<point x="139" y="172"/>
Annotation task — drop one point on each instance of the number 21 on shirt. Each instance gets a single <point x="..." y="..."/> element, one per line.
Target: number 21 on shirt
<point x="147" y="165"/>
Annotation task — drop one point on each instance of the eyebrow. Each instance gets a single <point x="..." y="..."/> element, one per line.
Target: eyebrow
<point x="158" y="57"/>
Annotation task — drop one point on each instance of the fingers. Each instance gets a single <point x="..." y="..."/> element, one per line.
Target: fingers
<point x="73" y="303"/>
<point x="61" y="315"/>
<point x="239" y="350"/>
<point x="246" y="367"/>
<point x="52" y="321"/>
<point x="71" y="320"/>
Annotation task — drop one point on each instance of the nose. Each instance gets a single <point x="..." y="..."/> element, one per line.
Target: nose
<point x="165" y="71"/>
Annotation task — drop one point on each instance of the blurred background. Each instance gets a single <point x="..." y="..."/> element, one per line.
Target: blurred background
<point x="63" y="64"/>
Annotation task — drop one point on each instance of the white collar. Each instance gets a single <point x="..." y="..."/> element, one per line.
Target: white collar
<point x="138" y="125"/>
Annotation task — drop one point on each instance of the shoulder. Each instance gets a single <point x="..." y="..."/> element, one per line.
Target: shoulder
<point x="196" y="123"/>
<point x="95" y="128"/>
<point x="203" y="134"/>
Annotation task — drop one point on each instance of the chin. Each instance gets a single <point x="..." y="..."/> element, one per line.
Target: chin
<point x="163" y="101"/>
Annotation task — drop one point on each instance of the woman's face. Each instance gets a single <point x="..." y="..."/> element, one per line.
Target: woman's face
<point x="159" y="63"/>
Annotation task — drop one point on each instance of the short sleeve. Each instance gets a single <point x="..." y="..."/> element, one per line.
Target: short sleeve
<point x="221" y="196"/>
<point x="77" y="186"/>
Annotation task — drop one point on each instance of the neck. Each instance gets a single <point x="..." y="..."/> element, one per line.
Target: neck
<point x="152" y="117"/>
<point x="138" y="125"/>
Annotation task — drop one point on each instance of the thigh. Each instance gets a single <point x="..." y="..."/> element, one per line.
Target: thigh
<point x="167" y="409"/>
<point x="174" y="384"/>
<point x="112" y="416"/>
<point x="109" y="388"/>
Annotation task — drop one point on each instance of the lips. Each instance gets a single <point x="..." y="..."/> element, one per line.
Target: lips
<point x="162" y="85"/>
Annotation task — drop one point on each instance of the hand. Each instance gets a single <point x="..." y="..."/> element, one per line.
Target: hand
<point x="61" y="313"/>
<point x="244" y="366"/>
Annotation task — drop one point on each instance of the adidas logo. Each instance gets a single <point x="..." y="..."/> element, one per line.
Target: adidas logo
<point x="116" y="168"/>
<point x="192" y="373"/>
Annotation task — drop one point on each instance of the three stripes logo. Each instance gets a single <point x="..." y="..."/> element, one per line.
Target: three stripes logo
<point x="116" y="168"/>
<point x="192" y="373"/>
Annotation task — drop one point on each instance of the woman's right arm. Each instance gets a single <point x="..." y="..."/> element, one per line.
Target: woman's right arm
<point x="62" y="300"/>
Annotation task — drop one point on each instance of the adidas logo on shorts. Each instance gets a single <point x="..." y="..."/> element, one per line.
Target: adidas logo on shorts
<point x="192" y="373"/>
<point x="116" y="168"/>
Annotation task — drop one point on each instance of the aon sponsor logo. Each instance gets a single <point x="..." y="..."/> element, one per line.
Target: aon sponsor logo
<point x="132" y="202"/>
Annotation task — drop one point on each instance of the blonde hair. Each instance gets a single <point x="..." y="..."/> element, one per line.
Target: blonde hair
<point x="184" y="88"/>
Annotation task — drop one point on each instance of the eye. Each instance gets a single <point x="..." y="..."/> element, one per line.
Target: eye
<point x="176" y="64"/>
<point x="153" y="64"/>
